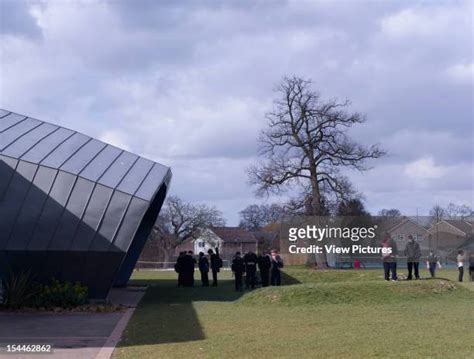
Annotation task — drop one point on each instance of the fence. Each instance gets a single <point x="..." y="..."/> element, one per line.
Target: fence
<point x="164" y="266"/>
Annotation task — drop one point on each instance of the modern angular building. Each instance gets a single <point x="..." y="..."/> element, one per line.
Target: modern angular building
<point x="72" y="207"/>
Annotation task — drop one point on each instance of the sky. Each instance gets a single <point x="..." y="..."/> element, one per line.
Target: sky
<point x="188" y="84"/>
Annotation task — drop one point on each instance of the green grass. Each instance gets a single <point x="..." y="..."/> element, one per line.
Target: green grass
<point x="317" y="314"/>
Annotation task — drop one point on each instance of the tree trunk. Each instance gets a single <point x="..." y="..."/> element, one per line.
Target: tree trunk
<point x="166" y="256"/>
<point x="318" y="261"/>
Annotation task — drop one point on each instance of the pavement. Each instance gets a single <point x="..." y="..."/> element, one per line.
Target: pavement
<point x="71" y="335"/>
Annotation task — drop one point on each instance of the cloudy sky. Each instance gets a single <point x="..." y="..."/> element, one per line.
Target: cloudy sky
<point x="188" y="83"/>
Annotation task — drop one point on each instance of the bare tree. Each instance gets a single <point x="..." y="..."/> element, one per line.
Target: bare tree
<point x="454" y="211"/>
<point x="179" y="221"/>
<point x="306" y="145"/>
<point x="437" y="213"/>
<point x="255" y="216"/>
<point x="390" y="213"/>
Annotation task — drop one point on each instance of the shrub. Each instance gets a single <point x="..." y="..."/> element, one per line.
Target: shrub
<point x="19" y="289"/>
<point x="62" y="294"/>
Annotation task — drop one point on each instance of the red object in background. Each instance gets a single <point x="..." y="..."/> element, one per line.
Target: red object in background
<point x="356" y="264"/>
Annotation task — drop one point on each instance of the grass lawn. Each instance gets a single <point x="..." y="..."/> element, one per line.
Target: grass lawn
<point x="317" y="314"/>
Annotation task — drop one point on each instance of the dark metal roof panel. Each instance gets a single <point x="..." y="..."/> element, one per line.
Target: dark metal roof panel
<point x="96" y="168"/>
<point x="65" y="150"/>
<point x="3" y="113"/>
<point x="10" y="120"/>
<point x="149" y="187"/>
<point x="42" y="143"/>
<point x="47" y="145"/>
<point x="11" y="134"/>
<point x="134" y="178"/>
<point x="83" y="156"/>
<point x="18" y="148"/>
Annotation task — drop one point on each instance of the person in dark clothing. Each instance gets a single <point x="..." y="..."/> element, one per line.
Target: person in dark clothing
<point x="216" y="265"/>
<point x="432" y="263"/>
<point x="238" y="268"/>
<point x="189" y="264"/>
<point x="179" y="268"/>
<point x="471" y="266"/>
<point x="277" y="264"/>
<point x="204" y="269"/>
<point x="413" y="254"/>
<point x="250" y="261"/>
<point x="264" y="264"/>
<point x="389" y="257"/>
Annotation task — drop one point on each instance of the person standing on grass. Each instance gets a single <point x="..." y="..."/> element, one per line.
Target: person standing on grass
<point x="238" y="268"/>
<point x="432" y="263"/>
<point x="204" y="269"/>
<point x="460" y="260"/>
<point x="413" y="254"/>
<point x="189" y="264"/>
<point x="216" y="265"/>
<point x="389" y="257"/>
<point x="179" y="268"/>
<point x="250" y="261"/>
<point x="277" y="264"/>
<point x="264" y="264"/>
<point x="471" y="266"/>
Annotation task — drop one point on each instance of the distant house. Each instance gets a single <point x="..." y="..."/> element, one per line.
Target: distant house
<point x="448" y="235"/>
<point x="401" y="228"/>
<point x="228" y="239"/>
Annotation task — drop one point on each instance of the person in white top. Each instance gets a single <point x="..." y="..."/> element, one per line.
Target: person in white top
<point x="460" y="259"/>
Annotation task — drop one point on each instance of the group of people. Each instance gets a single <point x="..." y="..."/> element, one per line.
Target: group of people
<point x="413" y="254"/>
<point x="268" y="265"/>
<point x="186" y="263"/>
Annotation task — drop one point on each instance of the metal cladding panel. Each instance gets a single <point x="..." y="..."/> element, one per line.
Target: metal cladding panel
<point x="73" y="207"/>
<point x="13" y="199"/>
<point x="7" y="170"/>
<point x="65" y="150"/>
<point x="134" y="178"/>
<point x="81" y="158"/>
<point x="25" y="143"/>
<point x="130" y="224"/>
<point x="71" y="215"/>
<point x="10" y="135"/>
<point x="152" y="182"/>
<point x="47" y="145"/>
<point x="117" y="171"/>
<point x="10" y="120"/>
<point x="140" y="237"/>
<point x="91" y="218"/>
<point x="111" y="222"/>
<point x="31" y="209"/>
<point x="52" y="211"/>
<point x="96" y="168"/>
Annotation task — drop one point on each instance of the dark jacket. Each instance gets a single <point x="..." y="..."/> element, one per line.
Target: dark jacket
<point x="264" y="263"/>
<point x="238" y="265"/>
<point x="277" y="263"/>
<point x="412" y="251"/>
<point x="215" y="261"/>
<point x="203" y="264"/>
<point x="250" y="261"/>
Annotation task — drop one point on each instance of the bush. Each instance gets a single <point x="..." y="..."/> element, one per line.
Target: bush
<point x="19" y="289"/>
<point x="62" y="294"/>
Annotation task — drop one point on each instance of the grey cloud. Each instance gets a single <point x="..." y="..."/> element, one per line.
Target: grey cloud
<point x="15" y="19"/>
<point x="188" y="83"/>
